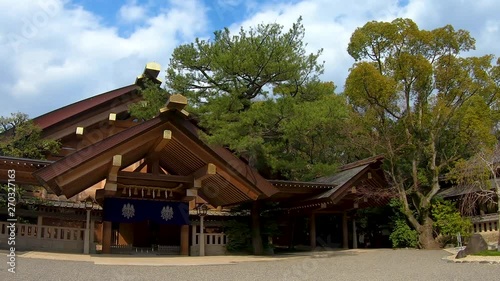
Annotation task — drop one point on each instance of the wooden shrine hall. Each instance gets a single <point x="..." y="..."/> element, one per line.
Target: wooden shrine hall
<point x="124" y="183"/>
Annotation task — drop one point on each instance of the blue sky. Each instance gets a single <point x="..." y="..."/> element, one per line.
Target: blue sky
<point x="56" y="52"/>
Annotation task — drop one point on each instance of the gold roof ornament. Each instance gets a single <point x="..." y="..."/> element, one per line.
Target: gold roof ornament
<point x="151" y="71"/>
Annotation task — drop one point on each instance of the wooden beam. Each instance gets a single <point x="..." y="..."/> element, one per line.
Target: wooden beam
<point x="115" y="167"/>
<point x="191" y="194"/>
<point x="166" y="137"/>
<point x="111" y="181"/>
<point x="203" y="173"/>
<point x="159" y="180"/>
<point x="176" y="101"/>
<point x="140" y="167"/>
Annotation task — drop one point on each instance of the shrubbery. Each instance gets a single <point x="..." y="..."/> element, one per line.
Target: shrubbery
<point x="403" y="236"/>
<point x="448" y="222"/>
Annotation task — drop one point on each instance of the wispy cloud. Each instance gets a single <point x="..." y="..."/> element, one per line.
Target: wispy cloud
<point x="132" y="12"/>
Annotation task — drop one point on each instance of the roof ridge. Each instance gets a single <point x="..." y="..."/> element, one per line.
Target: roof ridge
<point x="361" y="162"/>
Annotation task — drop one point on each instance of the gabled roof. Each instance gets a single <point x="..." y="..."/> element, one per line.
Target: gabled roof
<point x="184" y="154"/>
<point x="64" y="113"/>
<point x="331" y="190"/>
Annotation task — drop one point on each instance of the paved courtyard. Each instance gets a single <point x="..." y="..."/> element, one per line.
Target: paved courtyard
<point x="342" y="265"/>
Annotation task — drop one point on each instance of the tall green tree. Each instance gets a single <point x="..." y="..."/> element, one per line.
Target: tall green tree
<point x="422" y="104"/>
<point x="258" y="93"/>
<point x="20" y="137"/>
<point x="243" y="67"/>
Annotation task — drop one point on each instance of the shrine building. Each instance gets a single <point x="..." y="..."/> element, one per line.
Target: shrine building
<point x="120" y="185"/>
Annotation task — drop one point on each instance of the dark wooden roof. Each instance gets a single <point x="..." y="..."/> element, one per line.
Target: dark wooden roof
<point x="184" y="154"/>
<point x="23" y="167"/>
<point x="69" y="111"/>
<point x="337" y="191"/>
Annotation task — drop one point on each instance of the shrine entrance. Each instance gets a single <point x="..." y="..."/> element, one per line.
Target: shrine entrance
<point x="151" y="234"/>
<point x="145" y="226"/>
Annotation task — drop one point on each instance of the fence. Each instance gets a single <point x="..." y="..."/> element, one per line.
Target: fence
<point x="215" y="244"/>
<point x="485" y="223"/>
<point x="35" y="237"/>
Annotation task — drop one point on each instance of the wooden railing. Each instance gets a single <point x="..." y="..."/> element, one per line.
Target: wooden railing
<point x="485" y="223"/>
<point x="43" y="232"/>
<point x="212" y="239"/>
<point x="31" y="237"/>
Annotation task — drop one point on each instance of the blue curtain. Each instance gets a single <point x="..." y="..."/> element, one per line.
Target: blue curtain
<point x="133" y="210"/>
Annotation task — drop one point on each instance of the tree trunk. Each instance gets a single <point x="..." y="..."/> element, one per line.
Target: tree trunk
<point x="498" y="212"/>
<point x="258" y="248"/>
<point x="425" y="235"/>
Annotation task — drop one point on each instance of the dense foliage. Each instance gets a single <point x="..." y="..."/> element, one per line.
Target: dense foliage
<point x="258" y="93"/>
<point x="20" y="137"/>
<point x="448" y="222"/>
<point x="422" y="104"/>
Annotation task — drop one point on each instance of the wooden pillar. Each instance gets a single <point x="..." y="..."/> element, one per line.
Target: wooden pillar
<point x="345" y="231"/>
<point x="39" y="227"/>
<point x="312" y="231"/>
<point x="185" y="240"/>
<point x="201" y="240"/>
<point x="354" y="234"/>
<point x="258" y="248"/>
<point x="86" y="240"/>
<point x="106" y="237"/>
<point x="92" y="235"/>
<point x="193" y="235"/>
<point x="291" y="234"/>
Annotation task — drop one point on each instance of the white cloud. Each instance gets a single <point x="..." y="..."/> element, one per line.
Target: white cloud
<point x="132" y="12"/>
<point x="330" y="24"/>
<point x="72" y="55"/>
<point x="53" y="53"/>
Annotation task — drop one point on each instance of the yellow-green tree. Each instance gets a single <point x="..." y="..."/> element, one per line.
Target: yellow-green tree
<point x="20" y="137"/>
<point x="419" y="102"/>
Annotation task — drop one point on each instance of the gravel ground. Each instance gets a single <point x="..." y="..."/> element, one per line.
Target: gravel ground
<point x="367" y="265"/>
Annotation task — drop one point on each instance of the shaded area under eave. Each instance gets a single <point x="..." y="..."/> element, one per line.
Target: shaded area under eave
<point x="357" y="185"/>
<point x="184" y="154"/>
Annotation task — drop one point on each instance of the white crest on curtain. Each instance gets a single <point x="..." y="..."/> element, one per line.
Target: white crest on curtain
<point x="128" y="210"/>
<point x="167" y="213"/>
